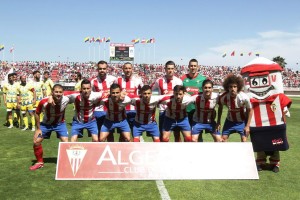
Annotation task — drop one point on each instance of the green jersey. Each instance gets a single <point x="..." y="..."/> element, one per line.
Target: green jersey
<point x="193" y="86"/>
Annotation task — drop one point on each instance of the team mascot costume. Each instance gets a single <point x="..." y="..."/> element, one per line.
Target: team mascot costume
<point x="263" y="84"/>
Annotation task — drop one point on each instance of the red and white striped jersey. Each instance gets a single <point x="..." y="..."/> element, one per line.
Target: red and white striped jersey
<point x="176" y="110"/>
<point x="165" y="86"/>
<point x="130" y="86"/>
<point x="102" y="85"/>
<point x="205" y="108"/>
<point x="84" y="108"/>
<point x="115" y="111"/>
<point x="236" y="106"/>
<point x="145" y="112"/>
<point x="269" y="112"/>
<point x="53" y="114"/>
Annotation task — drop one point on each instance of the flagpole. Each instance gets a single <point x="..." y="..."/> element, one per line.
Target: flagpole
<point x="94" y="52"/>
<point x="99" y="50"/>
<point x="140" y="54"/>
<point x="149" y="54"/>
<point x="154" y="53"/>
<point x="144" y="54"/>
<point x="89" y="52"/>
<point x="104" y="50"/>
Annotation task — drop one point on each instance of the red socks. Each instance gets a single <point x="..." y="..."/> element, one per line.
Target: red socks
<point x="187" y="138"/>
<point x="38" y="152"/>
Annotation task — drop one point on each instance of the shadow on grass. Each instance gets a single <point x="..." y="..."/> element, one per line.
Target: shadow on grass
<point x="47" y="160"/>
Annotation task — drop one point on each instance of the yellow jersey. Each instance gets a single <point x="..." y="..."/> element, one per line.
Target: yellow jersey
<point x="11" y="91"/>
<point x="26" y="94"/>
<point x="48" y="85"/>
<point x="78" y="86"/>
<point x="39" y="88"/>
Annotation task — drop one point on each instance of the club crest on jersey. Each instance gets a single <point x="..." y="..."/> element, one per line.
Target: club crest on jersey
<point x="187" y="80"/>
<point x="242" y="103"/>
<point x="76" y="155"/>
<point x="273" y="107"/>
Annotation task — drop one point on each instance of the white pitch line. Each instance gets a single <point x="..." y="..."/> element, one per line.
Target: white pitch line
<point x="164" y="194"/>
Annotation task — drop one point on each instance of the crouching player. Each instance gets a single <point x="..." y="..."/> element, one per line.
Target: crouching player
<point x="145" y="114"/>
<point x="240" y="110"/>
<point x="85" y="103"/>
<point x="205" y="113"/>
<point x="53" y="121"/>
<point x="176" y="115"/>
<point x="116" y="114"/>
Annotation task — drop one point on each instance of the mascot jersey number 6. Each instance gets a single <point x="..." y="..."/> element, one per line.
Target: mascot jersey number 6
<point x="263" y="84"/>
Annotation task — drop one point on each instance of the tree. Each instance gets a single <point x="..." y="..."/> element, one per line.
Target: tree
<point x="280" y="60"/>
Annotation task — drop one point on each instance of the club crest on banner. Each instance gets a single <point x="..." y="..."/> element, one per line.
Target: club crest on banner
<point x="76" y="155"/>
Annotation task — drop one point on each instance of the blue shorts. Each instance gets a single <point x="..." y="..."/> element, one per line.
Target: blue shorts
<point x="161" y="120"/>
<point x="131" y="117"/>
<point x="100" y="117"/>
<point x="233" y="127"/>
<point x="209" y="128"/>
<point x="77" y="128"/>
<point x="191" y="115"/>
<point x="171" y="124"/>
<point x="151" y="129"/>
<point x="60" y="129"/>
<point x="109" y="126"/>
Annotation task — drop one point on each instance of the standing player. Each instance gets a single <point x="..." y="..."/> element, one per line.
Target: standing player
<point x="239" y="108"/>
<point x="10" y="98"/>
<point x="16" y="114"/>
<point x="131" y="85"/>
<point x="48" y="83"/>
<point x="102" y="83"/>
<point x="27" y="100"/>
<point x="40" y="90"/>
<point x="193" y="84"/>
<point x="116" y="114"/>
<point x="176" y="115"/>
<point x="53" y="121"/>
<point x="165" y="86"/>
<point x="78" y="79"/>
<point x="205" y="113"/>
<point x="145" y="117"/>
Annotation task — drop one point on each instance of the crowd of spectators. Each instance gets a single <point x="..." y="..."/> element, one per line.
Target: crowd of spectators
<point x="149" y="73"/>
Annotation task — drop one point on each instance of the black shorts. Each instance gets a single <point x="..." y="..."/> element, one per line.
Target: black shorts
<point x="270" y="138"/>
